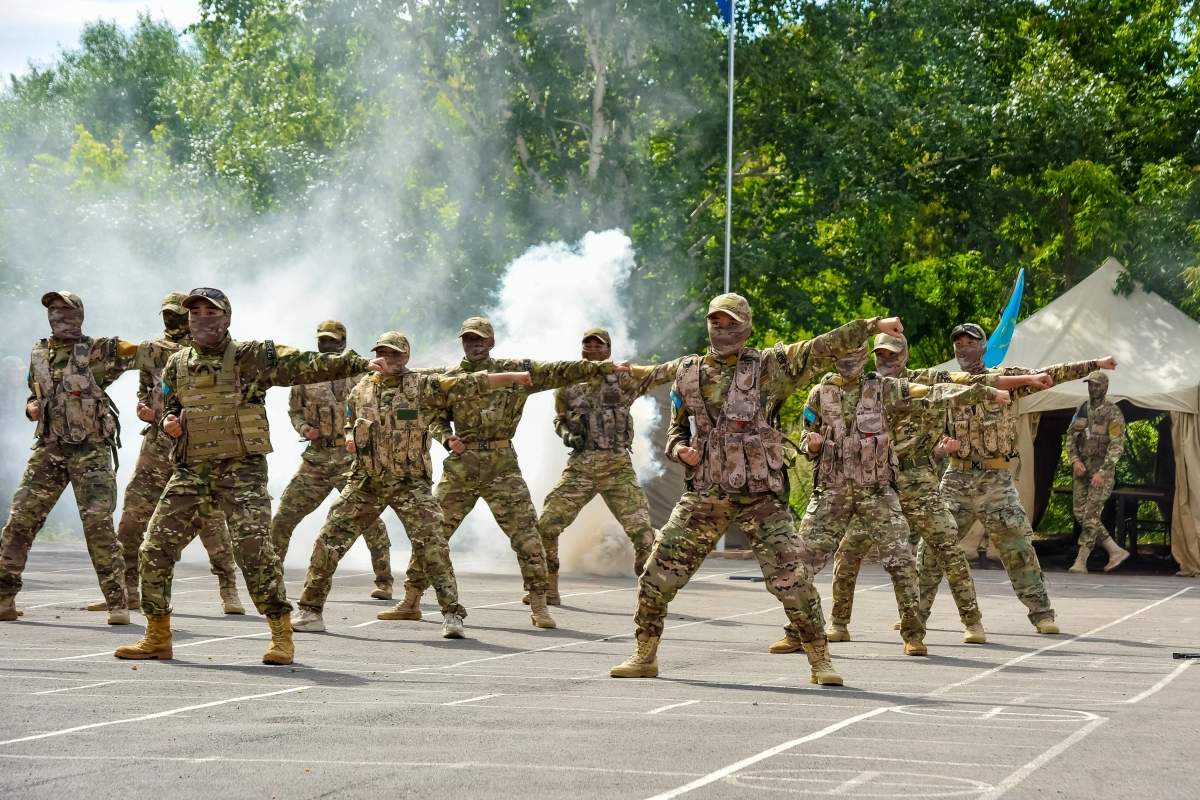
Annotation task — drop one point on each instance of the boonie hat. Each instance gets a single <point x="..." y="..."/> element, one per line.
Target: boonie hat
<point x="734" y="305"/>
<point x="393" y="340"/>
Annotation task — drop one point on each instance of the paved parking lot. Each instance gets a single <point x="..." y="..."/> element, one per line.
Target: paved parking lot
<point x="391" y="709"/>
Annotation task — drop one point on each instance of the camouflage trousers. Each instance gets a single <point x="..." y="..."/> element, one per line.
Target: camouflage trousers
<point x="494" y="476"/>
<point x="877" y="509"/>
<point x="195" y="493"/>
<point x="322" y="470"/>
<point x="150" y="476"/>
<point x="88" y="469"/>
<point x="698" y="521"/>
<point x="931" y="524"/>
<point x="1089" y="503"/>
<point x="990" y="496"/>
<point x="608" y="474"/>
<point x="358" y="509"/>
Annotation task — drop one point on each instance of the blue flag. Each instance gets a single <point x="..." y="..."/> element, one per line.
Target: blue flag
<point x="726" y="8"/>
<point x="1002" y="337"/>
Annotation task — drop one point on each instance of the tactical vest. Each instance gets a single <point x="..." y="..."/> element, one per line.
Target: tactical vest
<point x="741" y="449"/>
<point x="325" y="407"/>
<point x="391" y="439"/>
<point x="606" y="425"/>
<point x="986" y="430"/>
<point x="1091" y="436"/>
<point x="219" y="423"/>
<point x="863" y="452"/>
<point x="75" y="409"/>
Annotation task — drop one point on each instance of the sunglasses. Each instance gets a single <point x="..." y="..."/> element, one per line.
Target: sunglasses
<point x="211" y="294"/>
<point x="970" y="329"/>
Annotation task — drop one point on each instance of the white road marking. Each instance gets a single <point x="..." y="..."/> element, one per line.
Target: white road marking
<point x="498" y="605"/>
<point x="174" y="646"/>
<point x="365" y="624"/>
<point x="995" y="711"/>
<point x="725" y="772"/>
<point x="1156" y="687"/>
<point x="473" y="699"/>
<point x="73" y="688"/>
<point x="854" y="783"/>
<point x="144" y="717"/>
<point x="1043" y="759"/>
<point x="906" y="760"/>
<point x="661" y="709"/>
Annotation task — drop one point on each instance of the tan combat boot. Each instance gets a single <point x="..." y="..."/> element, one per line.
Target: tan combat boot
<point x="231" y="601"/>
<point x="819" y="663"/>
<point x="643" y="663"/>
<point x="1080" y="565"/>
<point x="525" y="599"/>
<point x="552" y="596"/>
<point x="408" y="608"/>
<point x="118" y="616"/>
<point x="837" y="633"/>
<point x="973" y="633"/>
<point x="8" y="610"/>
<point x="914" y="647"/>
<point x="1116" y="554"/>
<point x="896" y="627"/>
<point x="786" y="645"/>
<point x="538" y="611"/>
<point x="282" y="650"/>
<point x="99" y="605"/>
<point x="156" y="643"/>
<point x="383" y="591"/>
<point x="1047" y="626"/>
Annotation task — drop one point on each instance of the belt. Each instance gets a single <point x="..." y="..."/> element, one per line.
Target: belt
<point x="912" y="463"/>
<point x="328" y="441"/>
<point x="489" y="444"/>
<point x="991" y="463"/>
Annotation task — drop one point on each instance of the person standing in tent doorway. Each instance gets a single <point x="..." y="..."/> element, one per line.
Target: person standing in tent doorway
<point x="981" y="442"/>
<point x="1094" y="445"/>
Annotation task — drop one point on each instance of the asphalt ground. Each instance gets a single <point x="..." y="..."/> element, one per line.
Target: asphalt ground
<point x="382" y="709"/>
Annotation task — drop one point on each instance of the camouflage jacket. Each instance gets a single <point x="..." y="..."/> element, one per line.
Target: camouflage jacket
<point x="149" y="391"/>
<point x="917" y="428"/>
<point x="571" y="403"/>
<point x="1096" y="436"/>
<point x="494" y="415"/>
<point x="786" y="369"/>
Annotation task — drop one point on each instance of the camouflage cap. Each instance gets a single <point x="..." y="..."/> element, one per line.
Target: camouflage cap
<point x="70" y="298"/>
<point x="478" y="326"/>
<point x="174" y="303"/>
<point x="214" y="296"/>
<point x="970" y="329"/>
<point x="598" y="333"/>
<point x="734" y="305"/>
<point x="1099" y="377"/>
<point x="893" y="344"/>
<point x="393" y="340"/>
<point x="331" y="329"/>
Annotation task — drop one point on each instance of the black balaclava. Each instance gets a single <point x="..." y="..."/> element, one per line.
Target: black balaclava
<point x="725" y="342"/>
<point x="327" y="344"/>
<point x="1097" y="389"/>
<point x="209" y="331"/>
<point x="175" y="326"/>
<point x="66" y="324"/>
<point x="969" y="352"/>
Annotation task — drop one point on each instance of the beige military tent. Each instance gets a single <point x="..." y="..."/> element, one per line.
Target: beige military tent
<point x="1157" y="348"/>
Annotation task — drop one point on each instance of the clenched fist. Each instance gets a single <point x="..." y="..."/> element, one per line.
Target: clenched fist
<point x="814" y="441"/>
<point x="172" y="427"/>
<point x="688" y="455"/>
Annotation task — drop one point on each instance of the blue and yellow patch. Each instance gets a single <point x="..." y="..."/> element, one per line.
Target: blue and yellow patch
<point x="166" y="389"/>
<point x="675" y="399"/>
<point x="809" y="414"/>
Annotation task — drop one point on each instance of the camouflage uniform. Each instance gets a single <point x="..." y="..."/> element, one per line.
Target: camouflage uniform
<point x="486" y="424"/>
<point x="856" y="466"/>
<point x="387" y="422"/>
<point x="1096" y="438"/>
<point x="220" y="463"/>
<point x="594" y="420"/>
<point x="728" y="485"/>
<point x="979" y="485"/>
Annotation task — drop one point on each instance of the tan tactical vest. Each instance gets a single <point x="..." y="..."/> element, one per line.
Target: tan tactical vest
<point x="863" y="452"/>
<point x="741" y="449"/>
<point x="391" y="439"/>
<point x="607" y="425"/>
<point x="1091" y="435"/>
<point x="325" y="407"/>
<point x="219" y="423"/>
<point x="986" y="430"/>
<point x="76" y="409"/>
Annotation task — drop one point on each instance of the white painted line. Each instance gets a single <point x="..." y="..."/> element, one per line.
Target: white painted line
<point x="994" y="712"/>
<point x="725" y="772"/>
<point x="905" y="760"/>
<point x="174" y="647"/>
<point x="158" y="715"/>
<point x="854" y="783"/>
<point x="1043" y="759"/>
<point x="73" y="688"/>
<point x="1156" y="687"/>
<point x="661" y="709"/>
<point x="473" y="699"/>
<point x="1012" y="662"/>
<point x="365" y="624"/>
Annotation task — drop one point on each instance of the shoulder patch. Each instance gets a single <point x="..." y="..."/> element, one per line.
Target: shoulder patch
<point x="272" y="356"/>
<point x="675" y="399"/>
<point x="809" y="414"/>
<point x="166" y="390"/>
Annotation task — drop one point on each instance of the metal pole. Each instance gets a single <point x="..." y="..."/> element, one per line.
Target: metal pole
<point x="729" y="144"/>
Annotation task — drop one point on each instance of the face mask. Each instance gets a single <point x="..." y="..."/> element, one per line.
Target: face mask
<point x="328" y="345"/>
<point x="209" y="331"/>
<point x="852" y="365"/>
<point x="596" y="351"/>
<point x="1097" y="392"/>
<point x="66" y="323"/>
<point x="477" y="349"/>
<point x="394" y="361"/>
<point x="889" y="364"/>
<point x="969" y="352"/>
<point x="728" y="341"/>
<point x="175" y="325"/>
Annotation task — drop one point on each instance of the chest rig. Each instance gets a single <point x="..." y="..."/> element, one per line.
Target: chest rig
<point x="740" y="449"/>
<point x="1091" y="435"/>
<point x="392" y="437"/>
<point x="606" y="422"/>
<point x="219" y="422"/>
<point x="861" y="451"/>
<point x="986" y="430"/>
<point x="325" y="408"/>
<point x="73" y="409"/>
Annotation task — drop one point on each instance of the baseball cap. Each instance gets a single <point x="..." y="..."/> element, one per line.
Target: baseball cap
<point x="478" y="326"/>
<point x="214" y="296"/>
<point x="392" y="339"/>
<point x="71" y="299"/>
<point x="331" y="329"/>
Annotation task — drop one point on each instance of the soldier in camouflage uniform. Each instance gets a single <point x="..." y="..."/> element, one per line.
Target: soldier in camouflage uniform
<point x="848" y="418"/>
<point x="153" y="469"/>
<point x="482" y="462"/>
<point x="77" y="439"/>
<point x="593" y="420"/>
<point x="318" y="413"/>
<point x="1095" y="442"/>
<point x="214" y="401"/>
<point x="916" y="430"/>
<point x="982" y="441"/>
<point x="387" y="430"/>
<point x="725" y="430"/>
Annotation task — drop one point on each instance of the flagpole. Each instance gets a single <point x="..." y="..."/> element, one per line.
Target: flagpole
<point x="729" y="144"/>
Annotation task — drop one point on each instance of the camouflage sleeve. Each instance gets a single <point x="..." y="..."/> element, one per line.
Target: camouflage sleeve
<point x="351" y="406"/>
<point x="940" y="395"/>
<point x="145" y="379"/>
<point x="679" y="433"/>
<point x="562" y="425"/>
<point x="804" y="361"/>
<point x="296" y="409"/>
<point x="646" y="378"/>
<point x="1071" y="448"/>
<point x="441" y="391"/>
<point x="280" y="365"/>
<point x="110" y="358"/>
<point x="1060" y="373"/>
<point x="439" y="425"/>
<point x="932" y="375"/>
<point x="171" y="404"/>
<point x="561" y="374"/>
<point x="151" y="354"/>
<point x="1116" y="440"/>
<point x="812" y="421"/>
